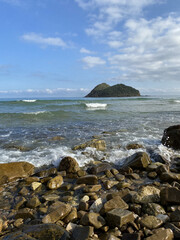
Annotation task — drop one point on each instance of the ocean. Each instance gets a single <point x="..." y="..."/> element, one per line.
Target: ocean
<point x="43" y="131"/>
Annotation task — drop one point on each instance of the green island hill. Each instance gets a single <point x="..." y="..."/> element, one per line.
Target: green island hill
<point x="118" y="90"/>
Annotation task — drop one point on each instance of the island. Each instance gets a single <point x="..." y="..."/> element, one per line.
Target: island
<point x="118" y="90"/>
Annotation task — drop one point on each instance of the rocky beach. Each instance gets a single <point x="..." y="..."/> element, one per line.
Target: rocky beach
<point x="137" y="200"/>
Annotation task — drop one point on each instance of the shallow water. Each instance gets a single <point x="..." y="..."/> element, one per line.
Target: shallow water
<point x="32" y="123"/>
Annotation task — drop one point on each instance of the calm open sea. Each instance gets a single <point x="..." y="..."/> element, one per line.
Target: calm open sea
<point x="27" y="127"/>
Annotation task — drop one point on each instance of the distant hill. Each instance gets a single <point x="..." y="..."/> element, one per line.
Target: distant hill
<point x="118" y="90"/>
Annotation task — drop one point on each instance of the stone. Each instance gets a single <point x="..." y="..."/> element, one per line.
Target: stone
<point x="147" y="194"/>
<point x="88" y="179"/>
<point x="19" y="201"/>
<point x="55" y="182"/>
<point x="50" y="197"/>
<point x="170" y="195"/>
<point x="139" y="160"/>
<point x="171" y="137"/>
<point x="35" y="185"/>
<point x="100" y="145"/>
<point x="15" y="170"/>
<point x="97" y="205"/>
<point x="120" y="177"/>
<point x="123" y="184"/>
<point x="19" y="222"/>
<point x="170" y="177"/>
<point x="82" y="232"/>
<point x="109" y="184"/>
<point x="175" y="216"/>
<point x="100" y="168"/>
<point x="45" y="231"/>
<point x="161" y="234"/>
<point x="118" y="217"/>
<point x="25" y="213"/>
<point x="92" y="188"/>
<point x="71" y="217"/>
<point x="134" y="146"/>
<point x="84" y="206"/>
<point x="163" y="217"/>
<point x="17" y="236"/>
<point x="69" y="164"/>
<point x="152" y="175"/>
<point x="131" y="236"/>
<point x="33" y="202"/>
<point x="116" y="202"/>
<point x="176" y="230"/>
<point x="48" y="172"/>
<point x="93" y="219"/>
<point x="57" y="138"/>
<point x="29" y="180"/>
<point x="60" y="211"/>
<point x="153" y="209"/>
<point x="150" y="222"/>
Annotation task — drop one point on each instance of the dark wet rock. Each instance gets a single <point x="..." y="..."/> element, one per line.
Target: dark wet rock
<point x="170" y="195"/>
<point x="147" y="194"/>
<point x="25" y="213"/>
<point x="152" y="175"/>
<point x="19" y="201"/>
<point x="17" y="236"/>
<point x="93" y="219"/>
<point x="116" y="202"/>
<point x="150" y="222"/>
<point x="109" y="174"/>
<point x="15" y="170"/>
<point x="109" y="184"/>
<point x="69" y="164"/>
<point x="136" y="208"/>
<point x="153" y="209"/>
<point x="29" y="180"/>
<point x="88" y="179"/>
<point x="33" y="202"/>
<point x="175" y="216"/>
<point x="45" y="231"/>
<point x="100" y="168"/>
<point x="71" y="217"/>
<point x="170" y="177"/>
<point x="100" y="145"/>
<point x="118" y="217"/>
<point x="82" y="232"/>
<point x="92" y="188"/>
<point x="50" y="197"/>
<point x="55" y="182"/>
<point x="134" y="146"/>
<point x="83" y="205"/>
<point x="60" y="211"/>
<point x="119" y="177"/>
<point x="138" y="160"/>
<point x="131" y="236"/>
<point x="48" y="172"/>
<point x="171" y="137"/>
<point x="176" y="230"/>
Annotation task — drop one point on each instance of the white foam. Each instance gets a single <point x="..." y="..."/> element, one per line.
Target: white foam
<point x="177" y="101"/>
<point x="96" y="106"/>
<point x="35" y="113"/>
<point x="29" y="100"/>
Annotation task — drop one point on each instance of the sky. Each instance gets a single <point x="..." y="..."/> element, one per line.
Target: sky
<point x="64" y="48"/>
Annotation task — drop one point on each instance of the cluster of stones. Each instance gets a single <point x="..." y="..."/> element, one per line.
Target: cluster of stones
<point x="140" y="200"/>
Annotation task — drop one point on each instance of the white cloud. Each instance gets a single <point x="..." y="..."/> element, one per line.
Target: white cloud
<point x="91" y="62"/>
<point x="86" y="51"/>
<point x="44" y="41"/>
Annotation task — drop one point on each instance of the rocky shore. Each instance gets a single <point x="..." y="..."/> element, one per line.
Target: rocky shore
<point x="139" y="200"/>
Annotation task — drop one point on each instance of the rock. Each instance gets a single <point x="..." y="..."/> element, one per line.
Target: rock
<point x="33" y="202"/>
<point x="82" y="232"/>
<point x="170" y="195"/>
<point x="60" y="211"/>
<point x="116" y="202"/>
<point x="118" y="217"/>
<point x="88" y="179"/>
<point x="57" y="138"/>
<point x="84" y="206"/>
<point x="152" y="175"/>
<point x="100" y="168"/>
<point x="92" y="188"/>
<point x="138" y="160"/>
<point x="161" y="234"/>
<point x="175" y="216"/>
<point x="153" y="209"/>
<point x="163" y="217"/>
<point x="25" y="213"/>
<point x="131" y="236"/>
<point x="48" y="172"/>
<point x="171" y="137"/>
<point x="150" y="222"/>
<point x="35" y="185"/>
<point x="19" y="222"/>
<point x="19" y="201"/>
<point x="134" y="146"/>
<point x="93" y="219"/>
<point x="17" y="236"/>
<point x="45" y="231"/>
<point x="50" y="197"/>
<point x="72" y="216"/>
<point x="170" y="177"/>
<point x="147" y="194"/>
<point x="55" y="182"/>
<point x="29" y="180"/>
<point x="15" y="170"/>
<point x="97" y="205"/>
<point x="120" y="177"/>
<point x="109" y="184"/>
<point x="176" y="230"/>
<point x="69" y="164"/>
<point x="100" y="145"/>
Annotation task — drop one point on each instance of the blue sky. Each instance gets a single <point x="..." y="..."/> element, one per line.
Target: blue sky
<point x="58" y="48"/>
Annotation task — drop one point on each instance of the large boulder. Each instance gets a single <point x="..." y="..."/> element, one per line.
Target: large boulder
<point x="138" y="160"/>
<point x="171" y="137"/>
<point x="170" y="195"/>
<point x="15" y="170"/>
<point x="69" y="164"/>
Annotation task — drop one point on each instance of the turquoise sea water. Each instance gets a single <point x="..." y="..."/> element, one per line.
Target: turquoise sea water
<point x="32" y="123"/>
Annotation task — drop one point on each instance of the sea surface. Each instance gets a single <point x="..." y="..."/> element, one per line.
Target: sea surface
<point x="28" y="127"/>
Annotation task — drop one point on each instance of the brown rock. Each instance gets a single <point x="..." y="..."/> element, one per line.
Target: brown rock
<point x="25" y="213"/>
<point x="100" y="168"/>
<point x="15" y="170"/>
<point x="170" y="177"/>
<point x="48" y="172"/>
<point x="69" y="164"/>
<point x="82" y="232"/>
<point x="161" y="234"/>
<point x="88" y="179"/>
<point x="100" y="145"/>
<point x="58" y="213"/>
<point x="71" y="217"/>
<point x="93" y="219"/>
<point x="138" y="160"/>
<point x="134" y="146"/>
<point x="170" y="195"/>
<point x="150" y="222"/>
<point x="55" y="182"/>
<point x="92" y="188"/>
<point x="118" y="217"/>
<point x="175" y="216"/>
<point x="116" y="202"/>
<point x="33" y="202"/>
<point x="153" y="209"/>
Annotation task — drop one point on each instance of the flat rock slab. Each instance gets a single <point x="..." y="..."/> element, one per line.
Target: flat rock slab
<point x="116" y="202"/>
<point x="161" y="234"/>
<point x="88" y="179"/>
<point x="15" y="170"/>
<point x="170" y="195"/>
<point x="93" y="219"/>
<point x="82" y="232"/>
<point x="151" y="222"/>
<point x="138" y="160"/>
<point x="118" y="217"/>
